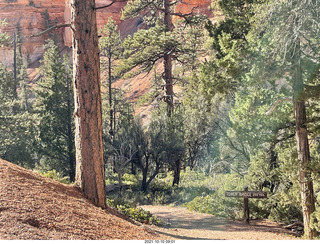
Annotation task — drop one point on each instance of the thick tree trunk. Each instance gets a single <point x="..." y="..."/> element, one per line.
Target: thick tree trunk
<point x="90" y="174"/>
<point x="306" y="186"/>
<point x="144" y="185"/>
<point x="176" y="174"/>
<point x="168" y="60"/>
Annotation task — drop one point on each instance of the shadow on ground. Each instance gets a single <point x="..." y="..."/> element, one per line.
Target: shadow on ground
<point x="180" y="223"/>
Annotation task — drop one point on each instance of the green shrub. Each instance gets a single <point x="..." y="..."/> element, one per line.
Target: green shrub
<point x="53" y="174"/>
<point x="111" y="177"/>
<point x="130" y="210"/>
<point x="130" y="179"/>
<point x="283" y="202"/>
<point x="215" y="202"/>
<point x="217" y="205"/>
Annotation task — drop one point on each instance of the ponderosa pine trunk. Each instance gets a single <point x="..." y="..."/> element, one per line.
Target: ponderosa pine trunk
<point x="144" y="185"/>
<point x="168" y="60"/>
<point x="90" y="174"/>
<point x="306" y="185"/>
<point x="176" y="172"/>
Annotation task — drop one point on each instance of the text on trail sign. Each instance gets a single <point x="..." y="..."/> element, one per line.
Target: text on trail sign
<point x="246" y="194"/>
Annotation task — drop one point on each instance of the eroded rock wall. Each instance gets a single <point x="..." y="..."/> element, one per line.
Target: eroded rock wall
<point x="29" y="15"/>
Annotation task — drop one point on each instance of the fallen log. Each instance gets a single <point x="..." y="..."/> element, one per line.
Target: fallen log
<point x="294" y="225"/>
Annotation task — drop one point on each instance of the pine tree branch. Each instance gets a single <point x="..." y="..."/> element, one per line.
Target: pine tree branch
<point x="51" y="29"/>
<point x="182" y="15"/>
<point x="185" y="16"/>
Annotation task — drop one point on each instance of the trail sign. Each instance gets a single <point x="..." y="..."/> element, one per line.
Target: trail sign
<point x="246" y="194"/>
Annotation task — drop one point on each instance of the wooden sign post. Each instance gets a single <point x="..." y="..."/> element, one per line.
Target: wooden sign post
<point x="246" y="207"/>
<point x="246" y="195"/>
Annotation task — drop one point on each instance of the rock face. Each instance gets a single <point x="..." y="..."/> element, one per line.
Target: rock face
<point x="30" y="16"/>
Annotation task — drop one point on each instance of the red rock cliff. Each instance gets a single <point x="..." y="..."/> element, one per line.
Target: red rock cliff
<point x="29" y="15"/>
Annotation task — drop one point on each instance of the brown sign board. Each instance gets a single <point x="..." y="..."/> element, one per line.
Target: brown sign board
<point x="246" y="194"/>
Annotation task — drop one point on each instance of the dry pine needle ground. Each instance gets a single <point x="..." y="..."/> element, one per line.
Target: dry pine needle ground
<point x="35" y="207"/>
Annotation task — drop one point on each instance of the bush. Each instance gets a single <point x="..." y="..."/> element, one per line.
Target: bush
<point x="281" y="180"/>
<point x="130" y="179"/>
<point x="216" y="203"/>
<point x="53" y="174"/>
<point x="130" y="210"/>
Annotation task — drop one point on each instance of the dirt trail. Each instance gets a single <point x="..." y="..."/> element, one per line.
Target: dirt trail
<point x="183" y="224"/>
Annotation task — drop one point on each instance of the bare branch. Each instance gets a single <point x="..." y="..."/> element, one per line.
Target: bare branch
<point x="232" y="144"/>
<point x="276" y="104"/>
<point x="51" y="29"/>
<point x="174" y="3"/>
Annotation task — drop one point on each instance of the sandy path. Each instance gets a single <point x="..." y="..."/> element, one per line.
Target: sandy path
<point x="183" y="224"/>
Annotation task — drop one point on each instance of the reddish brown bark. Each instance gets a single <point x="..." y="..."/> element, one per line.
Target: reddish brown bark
<point x="168" y="59"/>
<point x="306" y="185"/>
<point x="90" y="175"/>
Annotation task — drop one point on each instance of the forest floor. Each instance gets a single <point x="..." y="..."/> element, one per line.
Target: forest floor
<point x="36" y="207"/>
<point x="182" y="224"/>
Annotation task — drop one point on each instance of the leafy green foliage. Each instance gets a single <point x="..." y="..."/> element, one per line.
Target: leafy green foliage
<point x="131" y="211"/>
<point x="17" y="135"/>
<point x="233" y="125"/>
<point x="54" y="106"/>
<point x="216" y="203"/>
<point x="4" y="37"/>
<point x="280" y="180"/>
<point x="6" y="87"/>
<point x="222" y="74"/>
<point x="110" y="41"/>
<point x="17" y="130"/>
<point x="146" y="47"/>
<point x="53" y="174"/>
<point x="198" y="128"/>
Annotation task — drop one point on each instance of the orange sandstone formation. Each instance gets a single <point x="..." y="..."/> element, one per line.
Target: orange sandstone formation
<point x="29" y="15"/>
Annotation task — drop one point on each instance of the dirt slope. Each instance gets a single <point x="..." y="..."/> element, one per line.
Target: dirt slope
<point x="35" y="207"/>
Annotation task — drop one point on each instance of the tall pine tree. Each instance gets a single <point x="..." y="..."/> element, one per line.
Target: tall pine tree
<point x="159" y="42"/>
<point x="111" y="49"/>
<point x="54" y="106"/>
